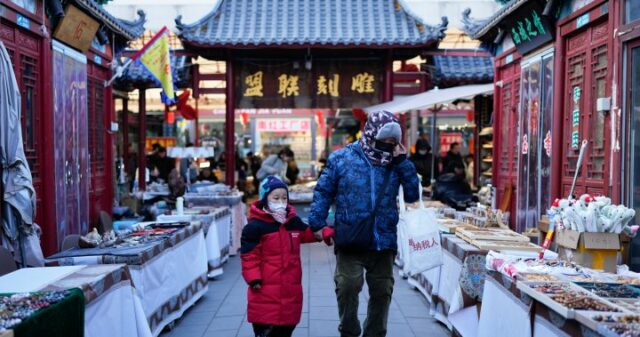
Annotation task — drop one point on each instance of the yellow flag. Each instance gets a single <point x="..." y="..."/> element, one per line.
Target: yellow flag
<point x="155" y="56"/>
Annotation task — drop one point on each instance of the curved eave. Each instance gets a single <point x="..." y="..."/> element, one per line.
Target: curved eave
<point x="125" y="29"/>
<point x="195" y="44"/>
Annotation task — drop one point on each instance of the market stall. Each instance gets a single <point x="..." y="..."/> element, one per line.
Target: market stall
<point x="168" y="265"/>
<point x="455" y="289"/>
<point x="106" y="293"/>
<point x="217" y="232"/>
<point x="209" y="195"/>
<point x="56" y="314"/>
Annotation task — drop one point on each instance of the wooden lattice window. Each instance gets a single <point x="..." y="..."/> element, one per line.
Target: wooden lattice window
<point x="505" y="145"/>
<point x="96" y="111"/>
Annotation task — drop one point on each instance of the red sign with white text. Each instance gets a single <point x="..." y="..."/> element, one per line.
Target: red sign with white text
<point x="283" y="125"/>
<point x="448" y="138"/>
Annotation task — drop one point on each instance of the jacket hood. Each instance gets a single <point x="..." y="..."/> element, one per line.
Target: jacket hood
<point x="257" y="213"/>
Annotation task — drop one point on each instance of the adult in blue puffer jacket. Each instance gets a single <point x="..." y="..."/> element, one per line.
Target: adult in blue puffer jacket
<point x="363" y="180"/>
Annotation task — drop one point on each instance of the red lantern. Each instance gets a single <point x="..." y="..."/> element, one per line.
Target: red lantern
<point x="171" y="117"/>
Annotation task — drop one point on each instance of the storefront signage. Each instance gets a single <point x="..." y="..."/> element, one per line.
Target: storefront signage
<point x="582" y="21"/>
<point x="575" y="118"/>
<point x="22" y="21"/>
<point x="77" y="29"/>
<point x="329" y="84"/>
<point x="547" y="144"/>
<point x="97" y="59"/>
<point x="529" y="29"/>
<point x="283" y="125"/>
<point x="509" y="58"/>
<point x="448" y="138"/>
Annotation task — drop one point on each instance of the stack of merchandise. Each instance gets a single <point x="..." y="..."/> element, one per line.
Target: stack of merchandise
<point x="302" y="192"/>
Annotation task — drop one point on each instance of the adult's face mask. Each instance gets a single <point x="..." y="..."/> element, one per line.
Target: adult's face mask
<point x="423" y="152"/>
<point x="385" y="147"/>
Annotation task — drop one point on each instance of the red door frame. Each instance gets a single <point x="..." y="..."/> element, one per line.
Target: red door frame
<point x="506" y="73"/>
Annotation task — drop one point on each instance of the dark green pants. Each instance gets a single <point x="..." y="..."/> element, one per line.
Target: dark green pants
<point x="349" y="278"/>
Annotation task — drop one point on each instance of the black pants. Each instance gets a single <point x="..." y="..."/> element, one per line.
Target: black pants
<point x="262" y="330"/>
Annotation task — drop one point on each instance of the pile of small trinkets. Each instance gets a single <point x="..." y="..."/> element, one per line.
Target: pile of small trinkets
<point x="16" y="308"/>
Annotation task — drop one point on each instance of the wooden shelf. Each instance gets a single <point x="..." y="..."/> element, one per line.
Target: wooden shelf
<point x="488" y="174"/>
<point x="488" y="160"/>
<point x="487" y="146"/>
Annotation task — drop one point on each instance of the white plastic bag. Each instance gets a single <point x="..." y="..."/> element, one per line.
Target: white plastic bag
<point x="420" y="247"/>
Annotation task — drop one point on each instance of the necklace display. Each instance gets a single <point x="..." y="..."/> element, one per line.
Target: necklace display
<point x="16" y="308"/>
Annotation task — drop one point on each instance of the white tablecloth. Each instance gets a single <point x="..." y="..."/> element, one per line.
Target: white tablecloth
<point x="120" y="303"/>
<point x="173" y="281"/>
<point x="502" y="314"/>
<point x="217" y="237"/>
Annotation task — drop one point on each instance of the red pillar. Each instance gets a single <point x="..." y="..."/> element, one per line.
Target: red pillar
<point x="230" y="124"/>
<point x="142" y="136"/>
<point x="197" y="121"/>
<point x="125" y="132"/>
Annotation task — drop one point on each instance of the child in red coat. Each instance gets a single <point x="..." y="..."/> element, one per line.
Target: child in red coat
<point x="271" y="264"/>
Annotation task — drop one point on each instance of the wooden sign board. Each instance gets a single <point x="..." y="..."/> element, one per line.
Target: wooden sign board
<point x="77" y="29"/>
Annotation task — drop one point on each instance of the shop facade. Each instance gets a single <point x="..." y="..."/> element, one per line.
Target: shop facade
<point x="286" y="58"/>
<point x="553" y="93"/>
<point x="67" y="110"/>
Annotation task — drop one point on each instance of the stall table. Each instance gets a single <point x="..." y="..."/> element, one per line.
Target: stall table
<point x="217" y="232"/>
<point x="507" y="311"/>
<point x="455" y="288"/>
<point x="169" y="274"/>
<point x="238" y="212"/>
<point x="109" y="296"/>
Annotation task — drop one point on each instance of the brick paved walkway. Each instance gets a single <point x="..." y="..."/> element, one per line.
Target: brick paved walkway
<point x="222" y="312"/>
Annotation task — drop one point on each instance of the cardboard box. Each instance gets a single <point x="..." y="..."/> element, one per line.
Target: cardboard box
<point x="592" y="250"/>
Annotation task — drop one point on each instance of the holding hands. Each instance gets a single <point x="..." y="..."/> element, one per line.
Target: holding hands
<point x="325" y="234"/>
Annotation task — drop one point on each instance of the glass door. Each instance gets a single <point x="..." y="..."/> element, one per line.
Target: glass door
<point x="534" y="150"/>
<point x="633" y="116"/>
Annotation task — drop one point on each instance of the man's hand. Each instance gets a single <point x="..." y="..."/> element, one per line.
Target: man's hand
<point x="328" y="233"/>
<point x="399" y="150"/>
<point x="399" y="154"/>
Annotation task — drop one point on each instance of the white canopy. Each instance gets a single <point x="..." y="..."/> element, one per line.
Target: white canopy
<point x="432" y="97"/>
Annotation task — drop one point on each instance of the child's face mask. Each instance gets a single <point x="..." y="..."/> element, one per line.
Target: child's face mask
<point x="277" y="207"/>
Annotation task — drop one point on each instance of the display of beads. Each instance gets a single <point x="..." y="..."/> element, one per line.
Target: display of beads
<point x="621" y="330"/>
<point x="626" y="319"/>
<point x="578" y="301"/>
<point x="552" y="288"/>
<point x="17" y="307"/>
<point x="610" y="290"/>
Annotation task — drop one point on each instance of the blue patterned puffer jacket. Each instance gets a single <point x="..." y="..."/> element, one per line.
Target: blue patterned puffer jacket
<point x="351" y="182"/>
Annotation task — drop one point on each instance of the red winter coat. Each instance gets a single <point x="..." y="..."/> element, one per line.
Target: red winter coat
<point x="270" y="254"/>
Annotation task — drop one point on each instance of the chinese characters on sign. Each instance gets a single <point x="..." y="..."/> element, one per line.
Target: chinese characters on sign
<point x="575" y="123"/>
<point x="288" y="85"/>
<point x="530" y="29"/>
<point x="331" y="88"/>
<point x="362" y="83"/>
<point x="76" y="29"/>
<point x="283" y="125"/>
<point x="254" y="84"/>
<point x="333" y="84"/>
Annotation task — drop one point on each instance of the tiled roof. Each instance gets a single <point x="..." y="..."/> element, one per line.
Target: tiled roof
<point x="459" y="70"/>
<point x="137" y="76"/>
<point x="310" y="23"/>
<point x="478" y="28"/>
<point x="130" y="30"/>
